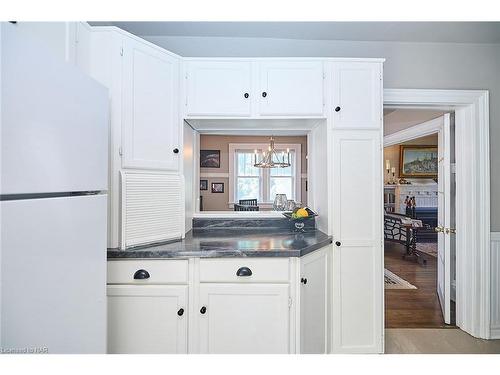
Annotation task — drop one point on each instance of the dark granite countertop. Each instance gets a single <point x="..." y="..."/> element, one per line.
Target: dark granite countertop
<point x="232" y="242"/>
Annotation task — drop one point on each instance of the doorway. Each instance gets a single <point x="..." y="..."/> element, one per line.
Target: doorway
<point x="418" y="203"/>
<point x="472" y="173"/>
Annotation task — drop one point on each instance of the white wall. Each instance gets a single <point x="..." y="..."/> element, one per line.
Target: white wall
<point x="408" y="65"/>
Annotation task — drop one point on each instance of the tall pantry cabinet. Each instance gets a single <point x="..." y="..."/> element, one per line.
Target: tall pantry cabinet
<point x="145" y="182"/>
<point x="356" y="203"/>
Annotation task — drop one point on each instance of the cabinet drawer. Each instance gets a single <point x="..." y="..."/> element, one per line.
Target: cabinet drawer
<point x="159" y="271"/>
<point x="262" y="270"/>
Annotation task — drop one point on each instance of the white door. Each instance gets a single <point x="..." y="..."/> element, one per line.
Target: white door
<point x="444" y="219"/>
<point x="218" y="88"/>
<point x="357" y="95"/>
<point x="313" y="302"/>
<point x="358" y="251"/>
<point x="244" y="318"/>
<point x="147" y="319"/>
<point x="150" y="123"/>
<point x="54" y="274"/>
<point x="291" y="88"/>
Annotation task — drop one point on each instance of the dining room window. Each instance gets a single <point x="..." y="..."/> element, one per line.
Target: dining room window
<point x="248" y="178"/>
<point x="249" y="182"/>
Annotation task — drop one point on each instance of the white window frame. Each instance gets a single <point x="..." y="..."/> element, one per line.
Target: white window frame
<point x="265" y="175"/>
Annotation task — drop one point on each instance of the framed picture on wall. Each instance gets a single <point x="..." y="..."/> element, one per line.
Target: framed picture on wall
<point x="217" y="187"/>
<point x="210" y="158"/>
<point x="203" y="184"/>
<point x="418" y="161"/>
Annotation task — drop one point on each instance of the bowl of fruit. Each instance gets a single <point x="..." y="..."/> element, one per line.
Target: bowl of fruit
<point x="299" y="216"/>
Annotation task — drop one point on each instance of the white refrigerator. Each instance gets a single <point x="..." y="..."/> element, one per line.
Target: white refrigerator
<point x="53" y="207"/>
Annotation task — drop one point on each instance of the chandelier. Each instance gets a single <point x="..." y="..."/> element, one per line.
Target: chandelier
<point x="272" y="158"/>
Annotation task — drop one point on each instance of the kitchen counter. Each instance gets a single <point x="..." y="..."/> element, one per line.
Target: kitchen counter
<point x="232" y="242"/>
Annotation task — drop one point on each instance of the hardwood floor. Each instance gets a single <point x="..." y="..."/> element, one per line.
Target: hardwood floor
<point x="412" y="308"/>
<point x="436" y="341"/>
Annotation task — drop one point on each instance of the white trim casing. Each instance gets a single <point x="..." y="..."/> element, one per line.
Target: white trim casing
<point x="472" y="197"/>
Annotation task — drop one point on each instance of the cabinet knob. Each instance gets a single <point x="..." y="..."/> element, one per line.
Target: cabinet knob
<point x="246" y="95"/>
<point x="244" y="271"/>
<point x="338" y="243"/>
<point x="303" y="280"/>
<point x="264" y="94"/>
<point x="141" y="275"/>
<point x="203" y="310"/>
<point x="176" y="150"/>
<point x="337" y="109"/>
<point x="180" y="312"/>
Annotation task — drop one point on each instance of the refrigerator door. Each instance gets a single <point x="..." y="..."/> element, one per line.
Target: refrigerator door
<point x="54" y="128"/>
<point x="53" y="274"/>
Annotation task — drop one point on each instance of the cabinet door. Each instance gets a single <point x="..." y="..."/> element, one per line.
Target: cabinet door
<point x="150" y="122"/>
<point x="244" y="318"/>
<point x="291" y="88"/>
<point x="357" y="95"/>
<point x="218" y="88"/>
<point x="358" y="251"/>
<point x="313" y="302"/>
<point x="147" y="319"/>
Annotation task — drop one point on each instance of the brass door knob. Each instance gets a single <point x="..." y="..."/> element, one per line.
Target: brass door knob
<point x="439" y="228"/>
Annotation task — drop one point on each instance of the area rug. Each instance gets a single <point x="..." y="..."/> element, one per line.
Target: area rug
<point x="429" y="248"/>
<point x="392" y="281"/>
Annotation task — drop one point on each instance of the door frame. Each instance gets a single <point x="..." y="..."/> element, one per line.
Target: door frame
<point x="472" y="196"/>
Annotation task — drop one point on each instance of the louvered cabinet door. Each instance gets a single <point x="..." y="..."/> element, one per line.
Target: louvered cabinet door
<point x="152" y="208"/>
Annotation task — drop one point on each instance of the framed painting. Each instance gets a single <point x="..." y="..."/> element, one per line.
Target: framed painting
<point x="217" y="187"/>
<point x="210" y="158"/>
<point x="203" y="184"/>
<point x="418" y="161"/>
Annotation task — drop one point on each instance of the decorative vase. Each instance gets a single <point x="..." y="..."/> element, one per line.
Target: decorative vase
<point x="280" y="202"/>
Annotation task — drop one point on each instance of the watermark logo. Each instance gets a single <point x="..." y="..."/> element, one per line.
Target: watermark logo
<point x="34" y="350"/>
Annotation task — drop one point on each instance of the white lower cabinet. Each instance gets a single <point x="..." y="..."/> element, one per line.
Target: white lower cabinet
<point x="147" y="319"/>
<point x="313" y="302"/>
<point x="244" y="318"/>
<point x="221" y="306"/>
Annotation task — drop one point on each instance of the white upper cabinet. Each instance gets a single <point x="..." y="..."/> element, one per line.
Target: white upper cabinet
<point x="218" y="88"/>
<point x="150" y="121"/>
<point x="291" y="88"/>
<point x="357" y="95"/>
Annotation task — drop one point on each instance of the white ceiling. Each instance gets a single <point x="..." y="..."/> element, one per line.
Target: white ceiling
<point x="399" y="119"/>
<point x="455" y="32"/>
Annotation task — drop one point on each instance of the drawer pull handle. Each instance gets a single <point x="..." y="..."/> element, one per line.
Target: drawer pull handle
<point x="303" y="280"/>
<point x="180" y="312"/>
<point x="141" y="275"/>
<point x="203" y="310"/>
<point x="244" y="271"/>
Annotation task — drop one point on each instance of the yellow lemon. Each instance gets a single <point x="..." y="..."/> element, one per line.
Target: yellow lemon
<point x="302" y="212"/>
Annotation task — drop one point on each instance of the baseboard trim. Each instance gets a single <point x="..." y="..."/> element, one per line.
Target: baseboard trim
<point x="495" y="292"/>
<point x="495" y="333"/>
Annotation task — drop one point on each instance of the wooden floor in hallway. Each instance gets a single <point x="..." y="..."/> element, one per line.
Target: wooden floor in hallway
<point x="412" y="308"/>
